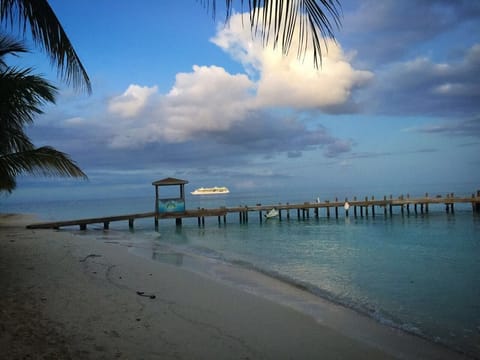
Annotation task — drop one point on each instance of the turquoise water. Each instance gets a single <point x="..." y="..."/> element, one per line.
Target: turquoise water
<point x="420" y="273"/>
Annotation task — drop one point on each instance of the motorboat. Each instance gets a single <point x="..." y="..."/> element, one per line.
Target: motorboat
<point x="272" y="213"/>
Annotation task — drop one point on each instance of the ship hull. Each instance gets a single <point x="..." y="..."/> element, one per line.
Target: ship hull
<point x="211" y="191"/>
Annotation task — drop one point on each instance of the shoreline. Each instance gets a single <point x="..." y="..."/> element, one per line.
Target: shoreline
<point x="76" y="296"/>
<point x="301" y="297"/>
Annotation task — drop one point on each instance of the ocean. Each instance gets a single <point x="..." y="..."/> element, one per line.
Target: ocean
<point x="419" y="273"/>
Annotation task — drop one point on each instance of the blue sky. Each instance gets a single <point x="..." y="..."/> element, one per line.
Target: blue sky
<point x="395" y="106"/>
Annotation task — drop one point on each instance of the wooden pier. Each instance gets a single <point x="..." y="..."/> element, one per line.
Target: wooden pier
<point x="200" y="214"/>
<point x="355" y="207"/>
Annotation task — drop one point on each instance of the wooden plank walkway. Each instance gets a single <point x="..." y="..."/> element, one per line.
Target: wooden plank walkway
<point x="128" y="217"/>
<point x="365" y="207"/>
<point x="84" y="222"/>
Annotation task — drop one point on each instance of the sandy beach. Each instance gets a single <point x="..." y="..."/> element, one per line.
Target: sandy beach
<point x="69" y="296"/>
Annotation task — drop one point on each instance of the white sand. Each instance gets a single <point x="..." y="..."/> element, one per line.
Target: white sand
<point x="69" y="296"/>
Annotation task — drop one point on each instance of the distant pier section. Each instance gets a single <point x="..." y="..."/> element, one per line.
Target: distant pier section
<point x="368" y="206"/>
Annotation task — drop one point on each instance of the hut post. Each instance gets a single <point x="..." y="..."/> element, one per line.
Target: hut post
<point x="477" y="206"/>
<point x="408" y="204"/>
<point x="156" y="207"/>
<point x="385" y="205"/>
<point x="401" y="205"/>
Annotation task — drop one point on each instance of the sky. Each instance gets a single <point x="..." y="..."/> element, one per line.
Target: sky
<point x="395" y="106"/>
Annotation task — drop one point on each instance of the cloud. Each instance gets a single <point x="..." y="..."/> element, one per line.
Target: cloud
<point x="463" y="128"/>
<point x="286" y="80"/>
<point x="211" y="105"/>
<point x="132" y="101"/>
<point x="424" y="87"/>
<point x="338" y="147"/>
<point x="389" y="31"/>
<point x="211" y="117"/>
<point x="207" y="100"/>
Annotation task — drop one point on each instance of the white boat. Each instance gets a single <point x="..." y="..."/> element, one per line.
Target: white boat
<point x="272" y="213"/>
<point x="211" y="191"/>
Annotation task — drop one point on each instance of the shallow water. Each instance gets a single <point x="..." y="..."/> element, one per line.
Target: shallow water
<point x="418" y="272"/>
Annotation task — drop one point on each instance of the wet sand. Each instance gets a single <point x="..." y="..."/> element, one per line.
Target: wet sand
<point x="66" y="295"/>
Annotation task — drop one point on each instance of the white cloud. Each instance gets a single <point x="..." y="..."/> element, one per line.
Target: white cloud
<point x="287" y="81"/>
<point x="208" y="101"/>
<point x="451" y="89"/>
<point x="77" y="120"/>
<point x="132" y="101"/>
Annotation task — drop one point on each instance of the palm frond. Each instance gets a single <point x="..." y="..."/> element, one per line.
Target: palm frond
<point x="8" y="183"/>
<point x="13" y="139"/>
<point x="9" y="46"/>
<point x="45" y="161"/>
<point x="276" y="21"/>
<point x="47" y="31"/>
<point x="22" y="94"/>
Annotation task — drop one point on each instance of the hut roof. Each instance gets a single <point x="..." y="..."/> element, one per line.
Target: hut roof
<point x="169" y="181"/>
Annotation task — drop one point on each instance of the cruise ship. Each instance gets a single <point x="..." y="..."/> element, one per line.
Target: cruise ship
<point x="210" y="191"/>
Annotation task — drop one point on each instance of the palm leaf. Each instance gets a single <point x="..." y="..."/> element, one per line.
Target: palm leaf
<point x="47" y="31"/>
<point x="276" y="21"/>
<point x="9" y="47"/>
<point x="13" y="139"/>
<point x="45" y="161"/>
<point x="22" y="95"/>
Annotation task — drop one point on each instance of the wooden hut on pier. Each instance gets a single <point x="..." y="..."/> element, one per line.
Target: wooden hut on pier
<point x="170" y="205"/>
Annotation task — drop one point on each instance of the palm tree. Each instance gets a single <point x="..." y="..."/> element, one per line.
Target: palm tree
<point x="21" y="96"/>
